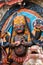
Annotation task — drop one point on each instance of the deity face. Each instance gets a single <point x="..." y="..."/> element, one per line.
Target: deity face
<point x="38" y="24"/>
<point x="19" y="28"/>
<point x="34" y="56"/>
<point x="19" y="24"/>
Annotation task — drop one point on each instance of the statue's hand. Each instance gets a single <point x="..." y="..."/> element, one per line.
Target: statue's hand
<point x="17" y="43"/>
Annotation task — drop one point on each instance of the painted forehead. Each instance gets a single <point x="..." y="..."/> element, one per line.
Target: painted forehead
<point x="19" y="20"/>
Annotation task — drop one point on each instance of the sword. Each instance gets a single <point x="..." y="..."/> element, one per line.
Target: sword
<point x="10" y="22"/>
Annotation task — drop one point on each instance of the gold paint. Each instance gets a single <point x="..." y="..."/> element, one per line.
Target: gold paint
<point x="19" y="20"/>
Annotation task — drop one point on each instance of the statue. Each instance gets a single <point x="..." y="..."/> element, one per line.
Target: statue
<point x="20" y="39"/>
<point x="35" y="56"/>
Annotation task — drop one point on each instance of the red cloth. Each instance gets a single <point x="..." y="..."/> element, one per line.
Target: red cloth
<point x="1" y="4"/>
<point x="10" y="2"/>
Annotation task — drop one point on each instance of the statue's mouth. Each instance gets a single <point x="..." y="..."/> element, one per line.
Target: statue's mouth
<point x="34" y="52"/>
